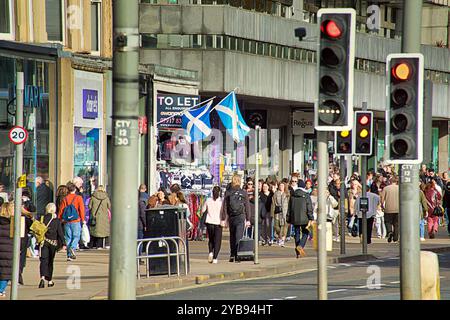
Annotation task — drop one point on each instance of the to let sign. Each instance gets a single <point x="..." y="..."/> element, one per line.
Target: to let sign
<point x="122" y="132"/>
<point x="169" y="105"/>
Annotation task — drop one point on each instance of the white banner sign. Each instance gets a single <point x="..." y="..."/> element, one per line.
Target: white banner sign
<point x="303" y="122"/>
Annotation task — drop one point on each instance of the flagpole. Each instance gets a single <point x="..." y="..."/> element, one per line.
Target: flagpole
<point x="180" y="113"/>
<point x="225" y="97"/>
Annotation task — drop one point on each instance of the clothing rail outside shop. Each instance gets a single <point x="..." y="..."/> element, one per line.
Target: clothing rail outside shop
<point x="148" y="256"/>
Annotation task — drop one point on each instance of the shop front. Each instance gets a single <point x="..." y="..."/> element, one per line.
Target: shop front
<point x="38" y="66"/>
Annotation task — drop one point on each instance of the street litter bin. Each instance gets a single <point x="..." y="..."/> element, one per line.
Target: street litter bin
<point x="166" y="221"/>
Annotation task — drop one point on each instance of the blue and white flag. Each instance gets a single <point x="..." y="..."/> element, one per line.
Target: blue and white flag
<point x="196" y="123"/>
<point x="229" y="113"/>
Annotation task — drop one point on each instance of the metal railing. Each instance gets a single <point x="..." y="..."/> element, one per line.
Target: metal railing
<point x="165" y="243"/>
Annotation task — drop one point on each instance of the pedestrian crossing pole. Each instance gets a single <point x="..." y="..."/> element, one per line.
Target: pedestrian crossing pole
<point x="322" y="292"/>
<point x="255" y="185"/>
<point x="122" y="267"/>
<point x="410" y="274"/>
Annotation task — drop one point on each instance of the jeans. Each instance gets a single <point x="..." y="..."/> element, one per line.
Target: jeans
<point x="72" y="234"/>
<point x="3" y="285"/>
<point x="380" y="227"/>
<point x="301" y="241"/>
<point x="422" y="228"/>
<point x="267" y="229"/>
<point x="447" y="220"/>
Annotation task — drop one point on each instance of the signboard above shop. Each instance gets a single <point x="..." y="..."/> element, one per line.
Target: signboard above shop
<point x="302" y="123"/>
<point x="168" y="105"/>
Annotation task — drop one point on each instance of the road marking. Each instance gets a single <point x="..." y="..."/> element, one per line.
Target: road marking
<point x="289" y="298"/>
<point x="275" y="299"/>
<point x="374" y="285"/>
<point x="345" y="264"/>
<point x="332" y="267"/>
<point x="339" y="290"/>
<point x="394" y="258"/>
<point x="361" y="262"/>
<point x="394" y="282"/>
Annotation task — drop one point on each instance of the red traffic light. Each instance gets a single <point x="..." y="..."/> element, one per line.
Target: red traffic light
<point x="332" y="29"/>
<point x="363" y="120"/>
<point x="402" y="71"/>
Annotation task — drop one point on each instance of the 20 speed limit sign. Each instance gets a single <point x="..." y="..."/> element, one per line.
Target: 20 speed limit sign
<point x="18" y="135"/>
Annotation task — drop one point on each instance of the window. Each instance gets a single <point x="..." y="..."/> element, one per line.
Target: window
<point x="95" y="26"/>
<point x="54" y="20"/>
<point x="6" y="19"/>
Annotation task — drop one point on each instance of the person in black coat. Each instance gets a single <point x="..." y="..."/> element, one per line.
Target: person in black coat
<point x="6" y="247"/>
<point x="43" y="197"/>
<point x="300" y="214"/>
<point x="54" y="241"/>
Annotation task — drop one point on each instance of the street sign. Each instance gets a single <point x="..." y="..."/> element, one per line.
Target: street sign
<point x="22" y="181"/>
<point x="18" y="135"/>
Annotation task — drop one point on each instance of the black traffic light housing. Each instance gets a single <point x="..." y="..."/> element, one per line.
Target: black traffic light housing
<point x="336" y="56"/>
<point x="404" y="111"/>
<point x="343" y="142"/>
<point x="363" y="135"/>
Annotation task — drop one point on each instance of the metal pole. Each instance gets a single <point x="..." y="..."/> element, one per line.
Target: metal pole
<point x="122" y="267"/>
<point x="255" y="185"/>
<point x="342" y="203"/>
<point x="322" y="215"/>
<point x="364" y="212"/>
<point x="409" y="178"/>
<point x="18" y="193"/>
<point x="364" y="193"/>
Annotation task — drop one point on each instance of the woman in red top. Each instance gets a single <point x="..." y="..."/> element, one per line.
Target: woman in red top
<point x="433" y="199"/>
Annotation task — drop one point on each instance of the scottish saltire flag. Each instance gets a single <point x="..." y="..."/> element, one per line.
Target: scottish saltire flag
<point x="196" y="123"/>
<point x="231" y="117"/>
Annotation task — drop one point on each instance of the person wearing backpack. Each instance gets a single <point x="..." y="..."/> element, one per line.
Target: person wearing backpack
<point x="71" y="213"/>
<point x="53" y="242"/>
<point x="236" y="210"/>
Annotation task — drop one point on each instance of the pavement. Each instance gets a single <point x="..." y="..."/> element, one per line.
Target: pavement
<point x="86" y="278"/>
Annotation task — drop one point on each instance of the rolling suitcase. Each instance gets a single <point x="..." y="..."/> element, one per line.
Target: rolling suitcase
<point x="246" y="247"/>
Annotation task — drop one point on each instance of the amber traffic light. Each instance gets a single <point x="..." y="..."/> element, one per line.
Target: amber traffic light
<point x="363" y="140"/>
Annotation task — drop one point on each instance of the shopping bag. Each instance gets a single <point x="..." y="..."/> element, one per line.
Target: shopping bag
<point x="85" y="236"/>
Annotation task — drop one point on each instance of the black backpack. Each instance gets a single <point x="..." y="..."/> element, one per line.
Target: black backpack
<point x="236" y="203"/>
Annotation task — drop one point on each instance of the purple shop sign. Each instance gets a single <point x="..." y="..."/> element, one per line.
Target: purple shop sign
<point x="90" y="104"/>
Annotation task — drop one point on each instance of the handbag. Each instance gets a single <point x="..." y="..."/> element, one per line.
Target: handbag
<point x="438" y="211"/>
<point x="93" y="218"/>
<point x="278" y="209"/>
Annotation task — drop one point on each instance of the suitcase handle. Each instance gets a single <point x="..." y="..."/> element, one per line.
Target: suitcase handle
<point x="246" y="231"/>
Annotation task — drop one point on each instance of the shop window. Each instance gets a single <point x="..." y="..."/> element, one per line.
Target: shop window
<point x="87" y="156"/>
<point x="235" y="3"/>
<point x="248" y="4"/>
<point x="209" y="41"/>
<point x="260" y="5"/>
<point x="54" y="13"/>
<point x="96" y="17"/>
<point x="149" y="41"/>
<point x="6" y="18"/>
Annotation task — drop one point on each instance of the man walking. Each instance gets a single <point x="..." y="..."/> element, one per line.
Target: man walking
<point x="389" y="198"/>
<point x="236" y="210"/>
<point x="71" y="213"/>
<point x="374" y="204"/>
<point x="43" y="197"/>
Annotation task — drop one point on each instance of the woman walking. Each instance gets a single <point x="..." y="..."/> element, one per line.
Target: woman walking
<point x="54" y="241"/>
<point x="6" y="247"/>
<point x="280" y="206"/>
<point x="99" y="219"/>
<point x="266" y="196"/>
<point x="212" y="208"/>
<point x="433" y="200"/>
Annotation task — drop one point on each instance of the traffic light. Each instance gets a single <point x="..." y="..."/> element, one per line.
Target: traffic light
<point x="404" y="111"/>
<point x="363" y="133"/>
<point x="343" y="142"/>
<point x="336" y="55"/>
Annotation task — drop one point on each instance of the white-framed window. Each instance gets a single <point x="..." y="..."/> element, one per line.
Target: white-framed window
<point x="6" y="20"/>
<point x="96" y="26"/>
<point x="55" y="20"/>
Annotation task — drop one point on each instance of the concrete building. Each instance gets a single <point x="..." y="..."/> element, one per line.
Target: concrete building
<point x="64" y="48"/>
<point x="250" y="45"/>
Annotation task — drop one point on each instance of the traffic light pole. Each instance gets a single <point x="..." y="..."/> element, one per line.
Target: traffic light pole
<point x="342" y="202"/>
<point x="122" y="267"/>
<point x="321" y="217"/>
<point x="409" y="177"/>
<point x="18" y="193"/>
<point x="364" y="194"/>
<point x="255" y="185"/>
